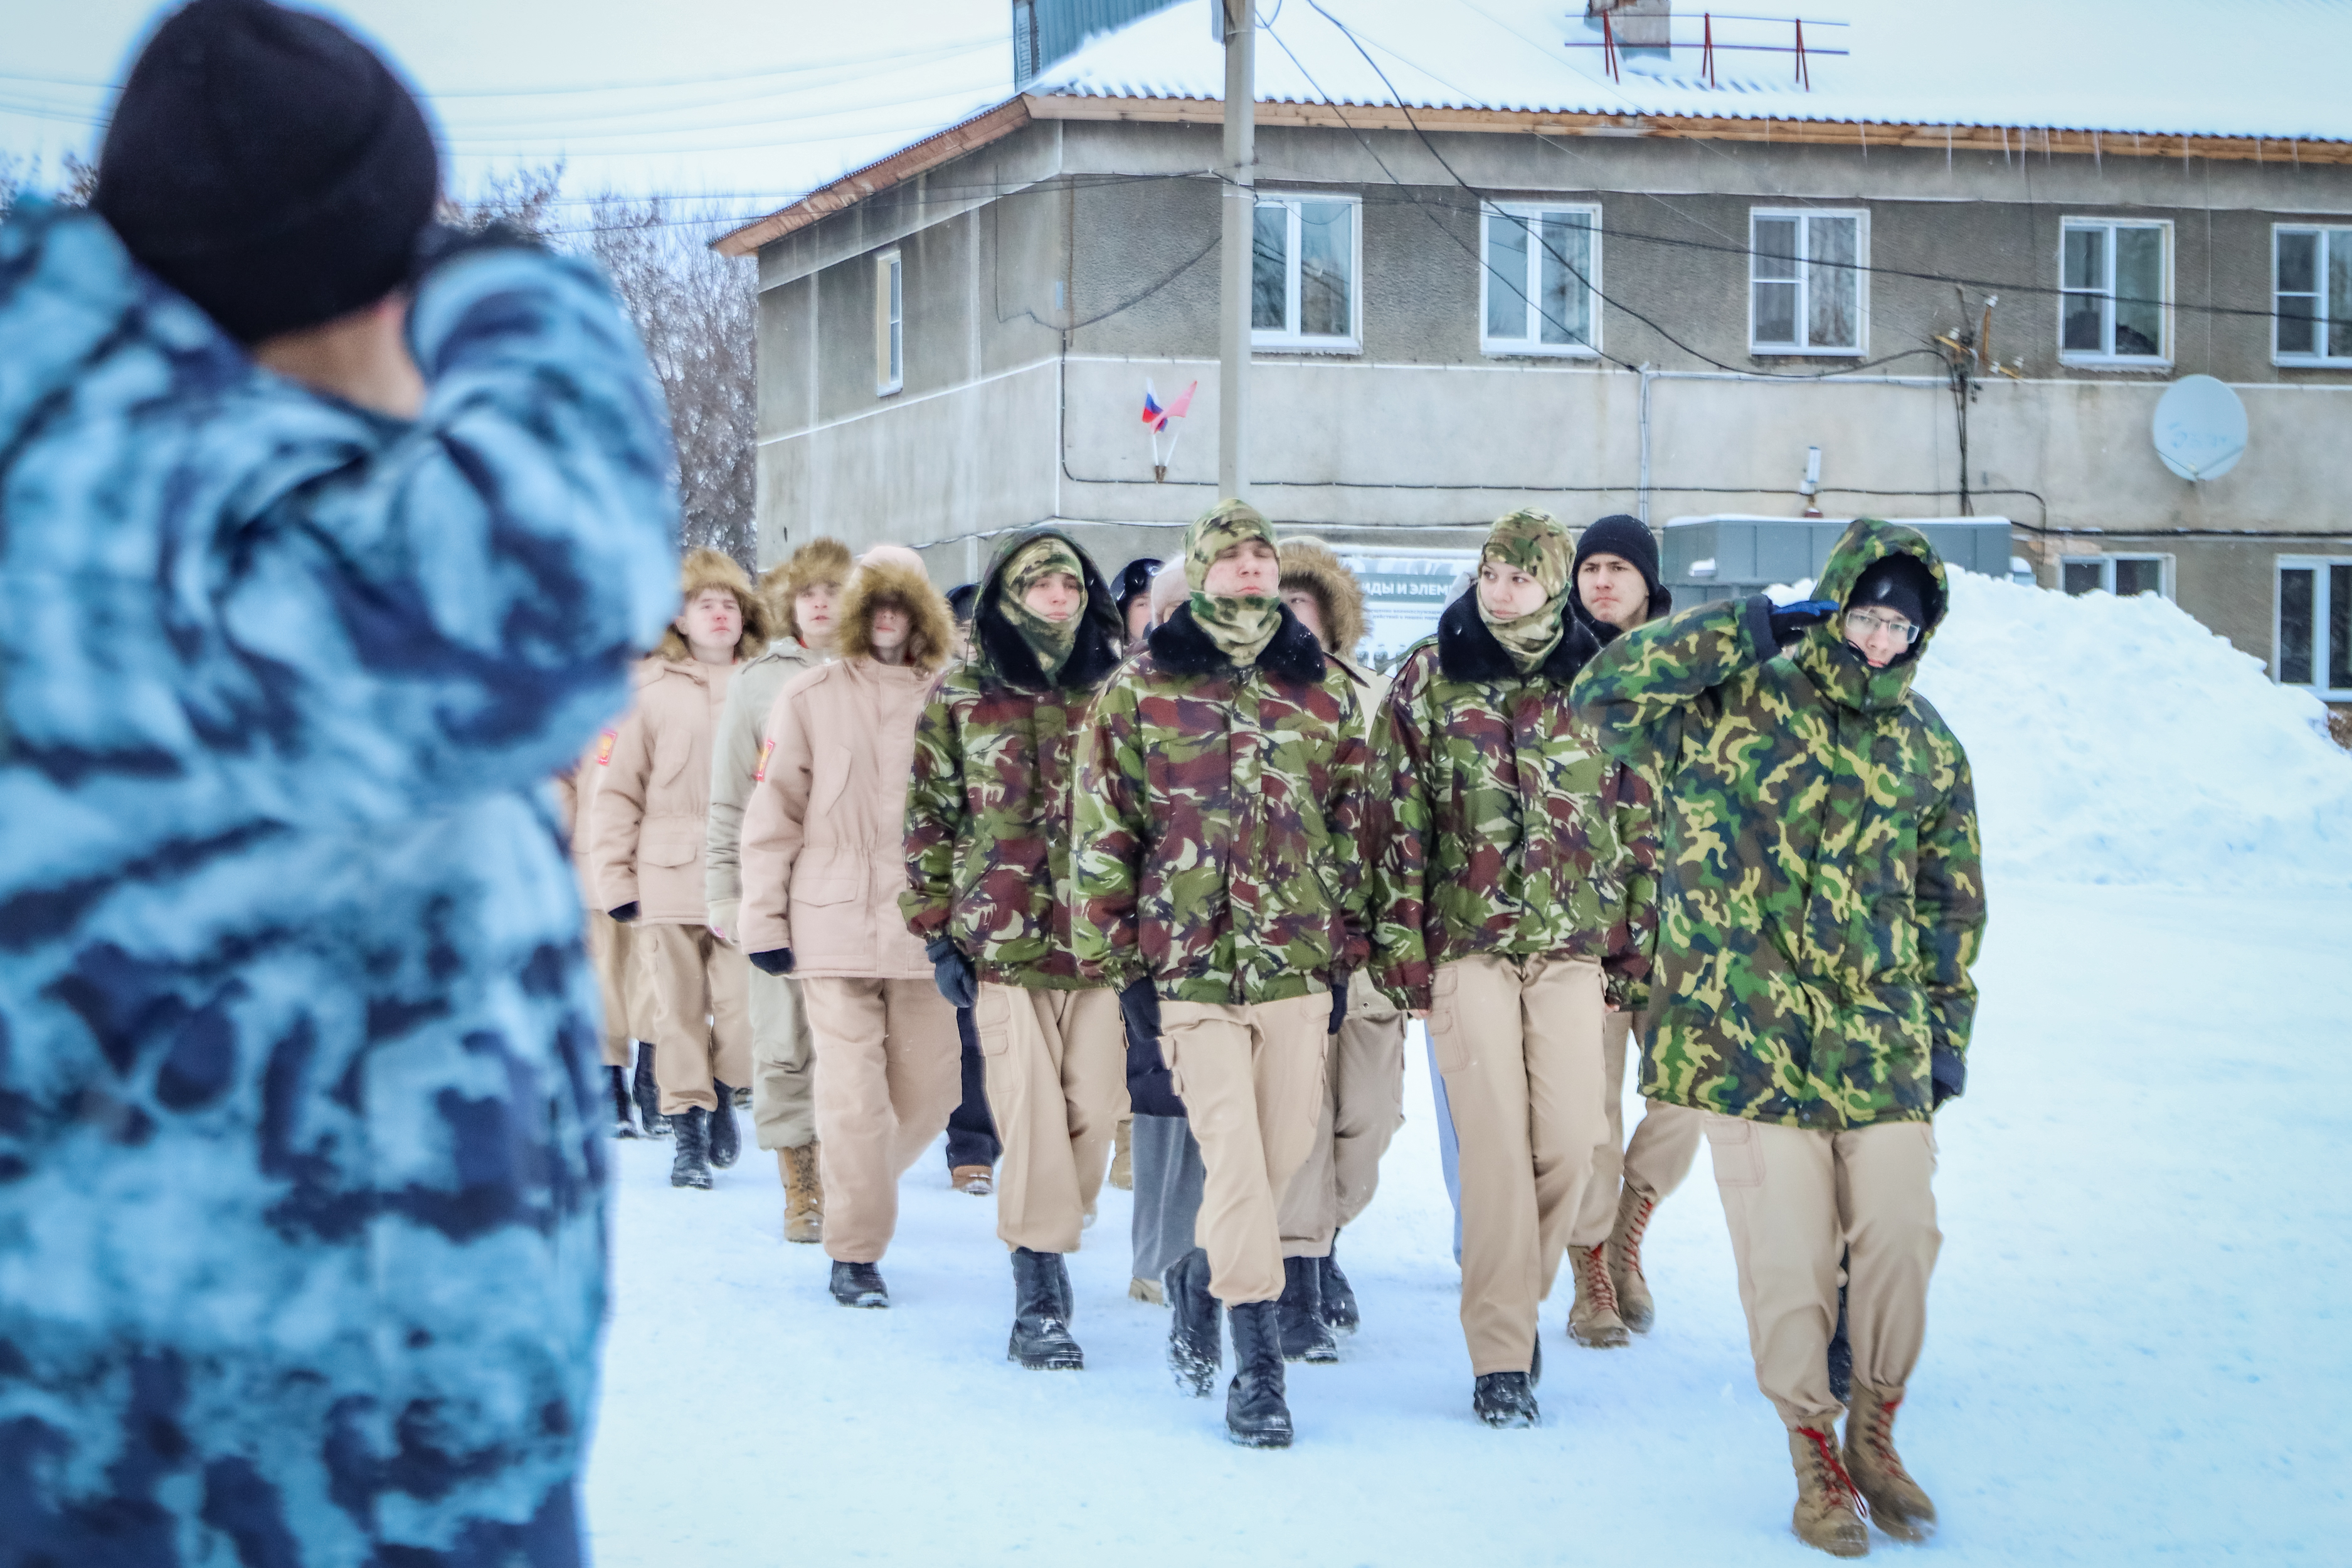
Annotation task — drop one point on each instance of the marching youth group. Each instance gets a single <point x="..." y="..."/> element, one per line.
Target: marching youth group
<point x="1160" y="869"/>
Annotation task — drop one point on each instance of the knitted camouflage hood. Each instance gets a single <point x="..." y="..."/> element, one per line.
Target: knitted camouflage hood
<point x="1003" y="629"/>
<point x="1534" y="542"/>
<point x="1241" y="624"/>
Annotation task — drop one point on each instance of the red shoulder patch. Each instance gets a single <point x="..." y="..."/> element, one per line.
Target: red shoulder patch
<point x="604" y="747"/>
<point x="767" y="750"/>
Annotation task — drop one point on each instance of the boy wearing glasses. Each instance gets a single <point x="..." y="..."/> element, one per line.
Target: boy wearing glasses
<point x="1821" y="899"/>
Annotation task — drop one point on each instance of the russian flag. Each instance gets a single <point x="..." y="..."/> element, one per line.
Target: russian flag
<point x="1158" y="418"/>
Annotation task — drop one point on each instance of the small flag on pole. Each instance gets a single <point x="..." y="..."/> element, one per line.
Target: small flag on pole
<point x="1156" y="416"/>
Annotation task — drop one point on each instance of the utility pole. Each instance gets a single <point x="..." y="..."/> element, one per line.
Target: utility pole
<point x="1240" y="209"/>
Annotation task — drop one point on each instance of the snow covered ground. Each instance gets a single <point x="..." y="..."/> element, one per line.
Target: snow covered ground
<point x="2139" y="1344"/>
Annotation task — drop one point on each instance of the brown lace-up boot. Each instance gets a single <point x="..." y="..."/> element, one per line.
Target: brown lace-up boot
<point x="1593" y="1320"/>
<point x="1831" y="1514"/>
<point x="1897" y="1506"/>
<point x="804" y="1193"/>
<point x="1635" y="1208"/>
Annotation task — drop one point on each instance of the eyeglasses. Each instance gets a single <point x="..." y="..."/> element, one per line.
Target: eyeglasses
<point x="1867" y="622"/>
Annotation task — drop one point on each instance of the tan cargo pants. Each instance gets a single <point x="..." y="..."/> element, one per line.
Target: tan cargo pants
<point x="1793" y="1197"/>
<point x="783" y="1063"/>
<point x="1518" y="1043"/>
<point x="1657" y="1159"/>
<point x="609" y="957"/>
<point x="700" y="1003"/>
<point x="1363" y="1106"/>
<point x="1056" y="1066"/>
<point x="887" y="1075"/>
<point x="1251" y="1077"/>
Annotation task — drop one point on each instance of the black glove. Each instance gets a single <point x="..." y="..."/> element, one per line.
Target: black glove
<point x="1949" y="1072"/>
<point x="1338" y="1005"/>
<point x="1150" y="1087"/>
<point x="951" y="972"/>
<point x="1790" y="622"/>
<point x="626" y="912"/>
<point x="775" y="961"/>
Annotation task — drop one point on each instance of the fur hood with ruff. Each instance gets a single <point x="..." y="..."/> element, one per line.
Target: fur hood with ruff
<point x="818" y="561"/>
<point x="710" y="569"/>
<point x="1005" y="653"/>
<point x="1313" y="565"/>
<point x="931" y="638"/>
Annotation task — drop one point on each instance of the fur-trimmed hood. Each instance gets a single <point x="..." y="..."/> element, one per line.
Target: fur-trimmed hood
<point x="1314" y="566"/>
<point x="929" y="641"/>
<point x="1003" y="654"/>
<point x="818" y="561"/>
<point x="704" y="569"/>
<point x="1466" y="650"/>
<point x="1179" y="646"/>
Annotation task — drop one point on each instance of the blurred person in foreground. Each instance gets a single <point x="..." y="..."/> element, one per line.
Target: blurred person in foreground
<point x="311" y="583"/>
<point x="971" y="1146"/>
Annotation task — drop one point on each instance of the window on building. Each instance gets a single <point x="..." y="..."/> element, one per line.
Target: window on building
<point x="2313" y="298"/>
<point x="2315" y="624"/>
<point x="1540" y="286"/>
<point x="2122" y="575"/>
<point x="1808" y="291"/>
<point x="1303" y="283"/>
<point x="2113" y="294"/>
<point x="889" y="324"/>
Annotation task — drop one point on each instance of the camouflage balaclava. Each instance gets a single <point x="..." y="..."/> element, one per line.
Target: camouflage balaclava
<point x="1051" y="641"/>
<point x="1536" y="543"/>
<point x="1240" y="626"/>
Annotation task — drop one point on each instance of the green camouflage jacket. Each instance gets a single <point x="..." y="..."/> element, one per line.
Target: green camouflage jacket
<point x="987" y="827"/>
<point x="1820" y="884"/>
<point x="1217" y="819"/>
<point x="1501" y="828"/>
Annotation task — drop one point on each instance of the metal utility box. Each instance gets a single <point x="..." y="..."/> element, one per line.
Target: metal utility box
<point x="1730" y="556"/>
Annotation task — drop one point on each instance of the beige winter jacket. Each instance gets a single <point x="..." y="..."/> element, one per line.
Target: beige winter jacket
<point x="824" y="850"/>
<point x="734" y="759"/>
<point x="654" y="791"/>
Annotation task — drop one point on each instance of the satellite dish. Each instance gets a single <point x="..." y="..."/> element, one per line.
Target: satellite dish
<point x="2200" y="428"/>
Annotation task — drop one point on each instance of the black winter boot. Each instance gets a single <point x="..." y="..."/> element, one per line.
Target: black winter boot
<point x="1255" y="1414"/>
<point x="624" y="1122"/>
<point x="725" y="1142"/>
<point x="858" y="1285"/>
<point x="1338" y="1299"/>
<point x="1041" y="1330"/>
<point x="1504" y="1399"/>
<point x="690" y="1166"/>
<point x="1304" y="1335"/>
<point x="1196" y="1338"/>
<point x="1062" y="1288"/>
<point x="648" y="1093"/>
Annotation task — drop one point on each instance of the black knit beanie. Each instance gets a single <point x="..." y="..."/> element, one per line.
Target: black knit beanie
<point x="1620" y="535"/>
<point x="268" y="165"/>
<point x="1135" y="581"/>
<point x="1899" y="583"/>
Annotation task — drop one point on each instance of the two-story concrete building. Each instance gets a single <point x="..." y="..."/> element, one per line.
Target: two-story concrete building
<point x="1508" y="252"/>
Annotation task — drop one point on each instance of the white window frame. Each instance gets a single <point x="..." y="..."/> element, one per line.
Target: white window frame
<point x="2106" y="565"/>
<point x="1289" y="338"/>
<point x="2322" y="307"/>
<point x="1532" y="344"/>
<point x="2106" y="359"/>
<point x="2321" y="597"/>
<point x="1860" y="217"/>
<point x="889" y="323"/>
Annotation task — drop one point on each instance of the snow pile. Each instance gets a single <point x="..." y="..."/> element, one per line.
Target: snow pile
<point x="2118" y="741"/>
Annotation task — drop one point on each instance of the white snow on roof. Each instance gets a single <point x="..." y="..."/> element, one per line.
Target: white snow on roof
<point x="2215" y="68"/>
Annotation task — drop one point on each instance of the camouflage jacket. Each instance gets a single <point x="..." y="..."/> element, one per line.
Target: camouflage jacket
<point x="1501" y="827"/>
<point x="1821" y="889"/>
<point x="988" y="825"/>
<point x="1216" y="821"/>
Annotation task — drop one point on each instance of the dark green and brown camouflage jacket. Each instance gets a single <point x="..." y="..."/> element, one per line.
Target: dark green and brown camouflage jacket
<point x="1820" y="888"/>
<point x="988" y="820"/>
<point x="1502" y="828"/>
<point x="1217" y="818"/>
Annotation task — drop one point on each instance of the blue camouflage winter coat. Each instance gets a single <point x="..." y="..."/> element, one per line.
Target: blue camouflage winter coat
<point x="301" y="1230"/>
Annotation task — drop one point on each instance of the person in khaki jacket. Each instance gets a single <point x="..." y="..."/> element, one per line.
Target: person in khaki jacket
<point x="608" y="953"/>
<point x="650" y="807"/>
<point x="823" y="858"/>
<point x="1363" y="1079"/>
<point x="801" y="596"/>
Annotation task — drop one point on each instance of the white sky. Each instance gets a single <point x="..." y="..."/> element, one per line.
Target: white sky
<point x="746" y="102"/>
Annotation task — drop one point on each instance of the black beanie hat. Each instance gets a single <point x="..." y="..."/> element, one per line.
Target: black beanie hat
<point x="267" y="164"/>
<point x="1900" y="582"/>
<point x="1624" y="536"/>
<point x="1135" y="581"/>
<point x="960" y="602"/>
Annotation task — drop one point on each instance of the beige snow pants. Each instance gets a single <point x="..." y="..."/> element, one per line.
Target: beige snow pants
<point x="1518" y="1043"/>
<point x="700" y="1006"/>
<point x="1056" y="1068"/>
<point x="783" y="1063"/>
<point x="1657" y="1159"/>
<point x="609" y="957"/>
<point x="1363" y="1106"/>
<point x="1793" y="1197"/>
<point x="887" y="1075"/>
